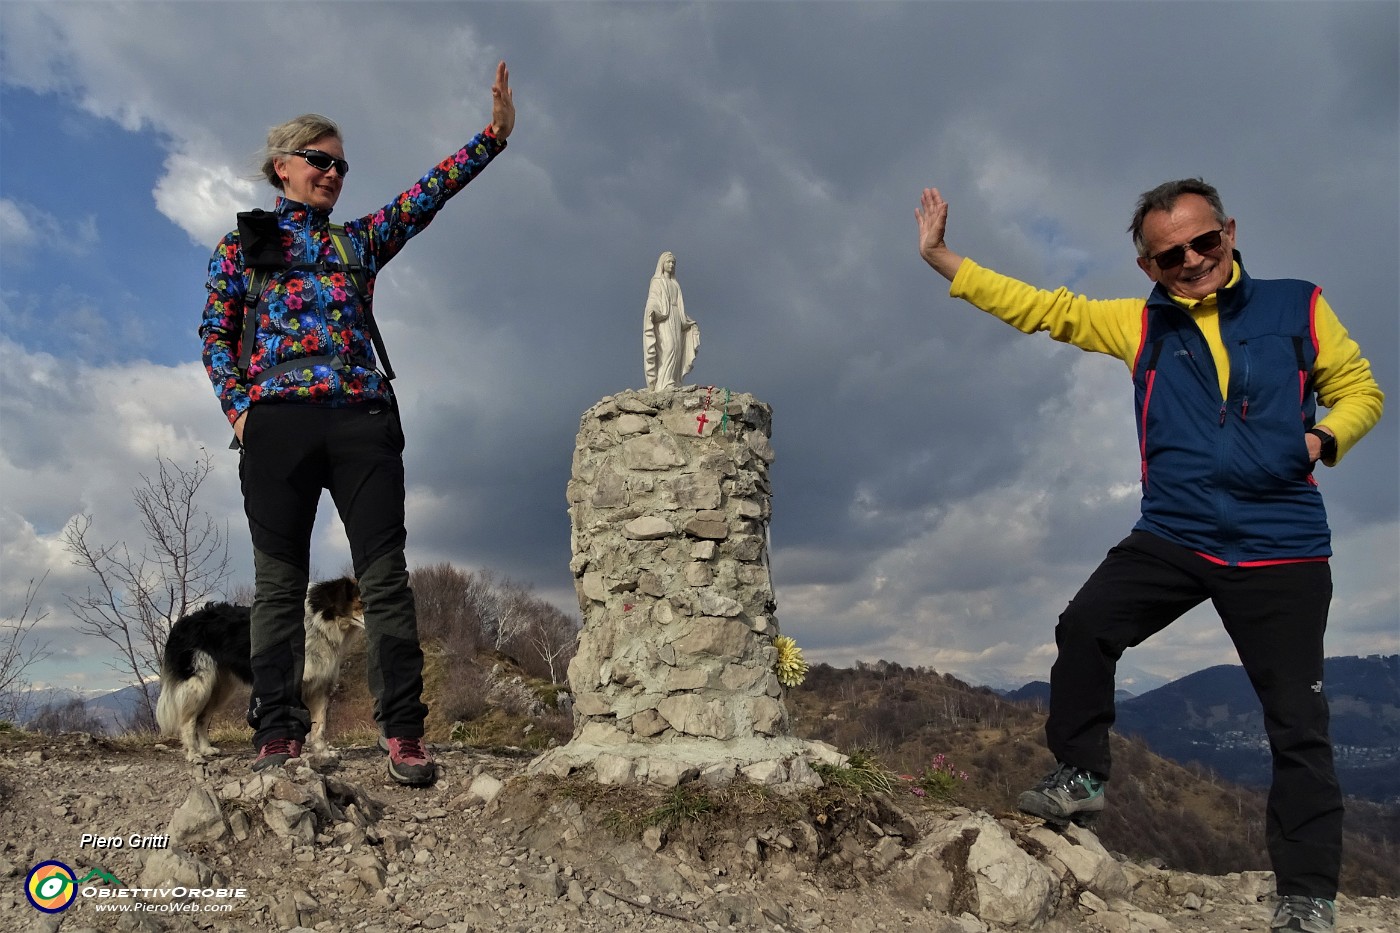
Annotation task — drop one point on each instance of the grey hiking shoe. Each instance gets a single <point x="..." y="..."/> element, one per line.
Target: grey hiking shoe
<point x="1068" y="795"/>
<point x="1308" y="914"/>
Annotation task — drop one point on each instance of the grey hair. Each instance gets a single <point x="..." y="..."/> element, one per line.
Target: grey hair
<point x="295" y="134"/>
<point x="1163" y="198"/>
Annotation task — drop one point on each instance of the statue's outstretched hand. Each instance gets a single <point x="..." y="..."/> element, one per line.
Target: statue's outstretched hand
<point x="502" y="104"/>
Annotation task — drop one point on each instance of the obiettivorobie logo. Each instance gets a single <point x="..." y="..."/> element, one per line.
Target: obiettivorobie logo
<point x="52" y="887"/>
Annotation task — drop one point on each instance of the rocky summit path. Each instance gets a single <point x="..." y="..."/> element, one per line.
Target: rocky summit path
<point x="330" y="845"/>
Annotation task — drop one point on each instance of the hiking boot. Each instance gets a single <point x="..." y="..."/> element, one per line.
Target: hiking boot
<point x="410" y="763"/>
<point x="275" y="753"/>
<point x="1068" y="795"/>
<point x="1300" y="912"/>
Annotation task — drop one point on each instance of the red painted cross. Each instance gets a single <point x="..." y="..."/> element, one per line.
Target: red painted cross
<point x="700" y="426"/>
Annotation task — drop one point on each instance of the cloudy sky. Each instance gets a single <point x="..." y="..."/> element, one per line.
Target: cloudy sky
<point x="943" y="484"/>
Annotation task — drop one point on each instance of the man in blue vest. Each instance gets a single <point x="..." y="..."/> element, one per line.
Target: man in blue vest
<point x="1228" y="372"/>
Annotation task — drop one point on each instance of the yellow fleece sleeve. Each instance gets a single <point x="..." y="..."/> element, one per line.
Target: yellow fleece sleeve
<point x="1112" y="326"/>
<point x="1344" y="382"/>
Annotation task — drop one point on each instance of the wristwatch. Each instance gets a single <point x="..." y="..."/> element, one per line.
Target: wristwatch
<point x="1329" y="443"/>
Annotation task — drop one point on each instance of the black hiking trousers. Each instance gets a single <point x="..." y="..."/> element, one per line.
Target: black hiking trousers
<point x="1276" y="616"/>
<point x="290" y="453"/>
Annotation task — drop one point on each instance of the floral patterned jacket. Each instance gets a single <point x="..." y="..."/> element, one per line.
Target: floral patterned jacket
<point x="316" y="312"/>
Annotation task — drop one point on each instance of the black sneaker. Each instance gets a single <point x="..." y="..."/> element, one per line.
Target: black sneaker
<point x="1068" y="795"/>
<point x="410" y="763"/>
<point x="1308" y="914"/>
<point x="276" y="752"/>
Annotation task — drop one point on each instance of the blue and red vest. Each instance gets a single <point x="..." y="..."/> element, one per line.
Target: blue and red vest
<point x="1232" y="479"/>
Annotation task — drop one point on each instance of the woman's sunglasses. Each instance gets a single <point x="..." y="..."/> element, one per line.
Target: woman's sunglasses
<point x="1169" y="258"/>
<point x="322" y="162"/>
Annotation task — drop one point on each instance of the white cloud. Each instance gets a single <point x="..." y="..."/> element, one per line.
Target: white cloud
<point x="199" y="196"/>
<point x="24" y="227"/>
<point x="16" y="230"/>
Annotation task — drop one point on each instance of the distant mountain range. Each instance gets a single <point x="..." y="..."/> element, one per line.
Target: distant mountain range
<point x="114" y="709"/>
<point x="1212" y="718"/>
<point x="1132" y="681"/>
<point x="1037" y="694"/>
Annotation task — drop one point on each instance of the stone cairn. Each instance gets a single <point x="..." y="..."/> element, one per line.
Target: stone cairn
<point x="674" y="678"/>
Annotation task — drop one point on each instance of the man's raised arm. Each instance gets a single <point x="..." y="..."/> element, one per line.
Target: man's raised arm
<point x="932" y="215"/>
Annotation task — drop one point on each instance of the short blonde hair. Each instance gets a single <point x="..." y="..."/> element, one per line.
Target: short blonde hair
<point x="296" y="133"/>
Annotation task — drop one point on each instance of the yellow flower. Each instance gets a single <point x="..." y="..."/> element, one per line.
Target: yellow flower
<point x="789" y="667"/>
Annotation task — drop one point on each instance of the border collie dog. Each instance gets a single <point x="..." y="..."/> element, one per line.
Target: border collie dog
<point x="207" y="657"/>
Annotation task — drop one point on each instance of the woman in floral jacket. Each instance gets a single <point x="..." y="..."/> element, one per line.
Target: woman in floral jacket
<point x="311" y="410"/>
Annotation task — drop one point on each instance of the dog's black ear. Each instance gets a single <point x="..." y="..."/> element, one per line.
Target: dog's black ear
<point x="346" y="590"/>
<point x="333" y="597"/>
<point x="318" y="598"/>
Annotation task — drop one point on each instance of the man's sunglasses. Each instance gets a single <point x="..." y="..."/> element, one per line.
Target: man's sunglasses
<point x="322" y="162"/>
<point x="1171" y="258"/>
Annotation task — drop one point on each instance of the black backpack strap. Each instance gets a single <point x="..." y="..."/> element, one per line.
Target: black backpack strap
<point x="258" y="277"/>
<point x="252" y="308"/>
<point x="260" y="241"/>
<point x="359" y="275"/>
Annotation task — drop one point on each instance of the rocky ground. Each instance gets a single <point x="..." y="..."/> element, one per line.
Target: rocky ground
<point x="332" y="845"/>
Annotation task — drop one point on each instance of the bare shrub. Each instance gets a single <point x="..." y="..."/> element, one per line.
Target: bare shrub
<point x="557" y="726"/>
<point x="470" y="612"/>
<point x="448" y="608"/>
<point x="464" y="693"/>
<point x="17" y="654"/>
<point x="136" y="597"/>
<point x="240" y="594"/>
<point x="69" y="716"/>
<point x="547" y="641"/>
<point x="140" y="720"/>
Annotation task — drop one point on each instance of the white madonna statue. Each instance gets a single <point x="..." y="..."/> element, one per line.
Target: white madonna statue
<point x="669" y="338"/>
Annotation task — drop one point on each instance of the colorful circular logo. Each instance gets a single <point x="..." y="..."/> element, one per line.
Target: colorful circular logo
<point x="51" y="887"/>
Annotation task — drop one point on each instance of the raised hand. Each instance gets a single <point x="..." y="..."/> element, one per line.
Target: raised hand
<point x="502" y="104"/>
<point x="932" y="214"/>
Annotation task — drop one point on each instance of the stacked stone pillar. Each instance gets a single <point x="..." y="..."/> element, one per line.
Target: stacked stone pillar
<point x="674" y="677"/>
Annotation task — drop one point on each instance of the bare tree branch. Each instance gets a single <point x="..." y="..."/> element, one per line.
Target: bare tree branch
<point x="513" y="604"/>
<point x="16" y="656"/>
<point x="554" y="636"/>
<point x="135" y="598"/>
